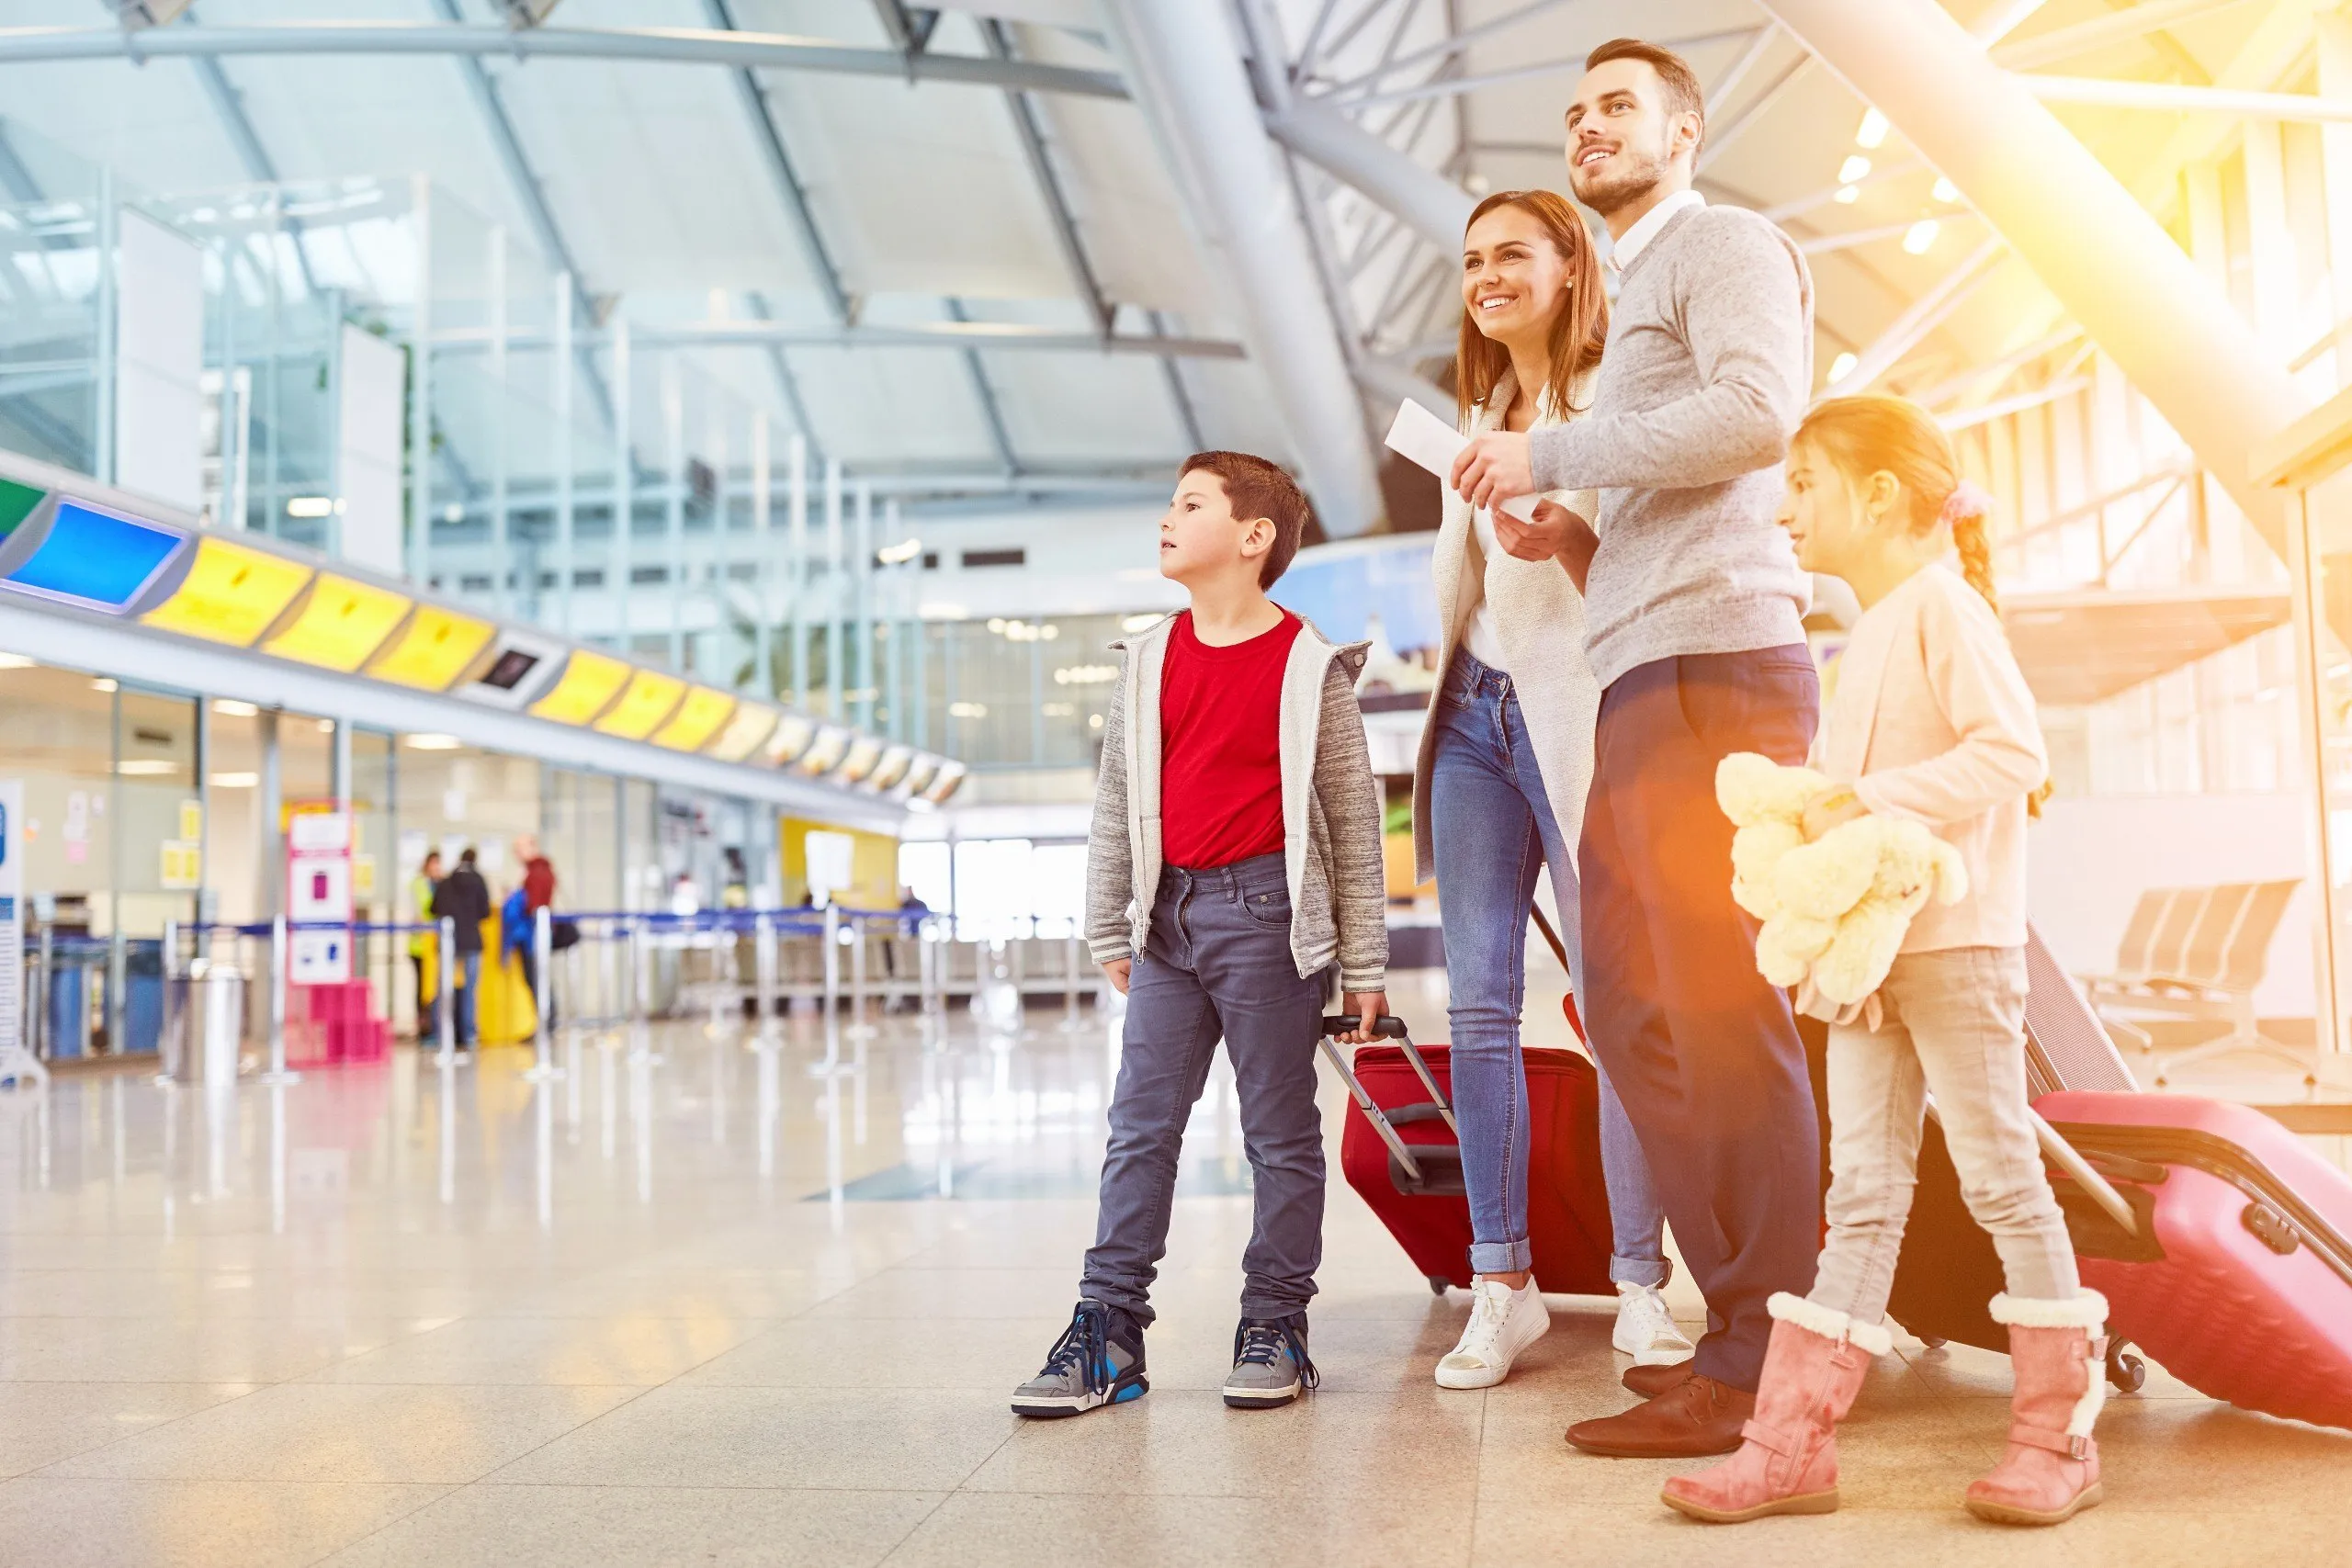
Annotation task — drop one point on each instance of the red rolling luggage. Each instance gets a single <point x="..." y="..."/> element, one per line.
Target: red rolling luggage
<point x="2237" y="1272"/>
<point x="1399" y="1152"/>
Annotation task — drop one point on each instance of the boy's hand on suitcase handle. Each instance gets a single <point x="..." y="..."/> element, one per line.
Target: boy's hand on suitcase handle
<point x="1371" y="1020"/>
<point x="1117" y="969"/>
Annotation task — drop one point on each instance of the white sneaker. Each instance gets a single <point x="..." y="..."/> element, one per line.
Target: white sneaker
<point x="1645" y="1330"/>
<point x="1503" y="1322"/>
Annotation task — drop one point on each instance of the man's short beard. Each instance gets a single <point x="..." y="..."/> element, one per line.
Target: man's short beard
<point x="1622" y="190"/>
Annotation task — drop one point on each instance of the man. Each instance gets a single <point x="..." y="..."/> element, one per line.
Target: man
<point x="420" y="893"/>
<point x="464" y="898"/>
<point x="1693" y="608"/>
<point x="538" y="892"/>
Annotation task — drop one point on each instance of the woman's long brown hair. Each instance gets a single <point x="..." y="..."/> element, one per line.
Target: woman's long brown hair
<point x="1579" y="329"/>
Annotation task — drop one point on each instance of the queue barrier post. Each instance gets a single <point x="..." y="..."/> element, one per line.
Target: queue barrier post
<point x="277" y="1073"/>
<point x="445" y="992"/>
<point x="541" y="1069"/>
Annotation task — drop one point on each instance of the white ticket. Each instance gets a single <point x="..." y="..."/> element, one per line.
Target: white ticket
<point x="1428" y="441"/>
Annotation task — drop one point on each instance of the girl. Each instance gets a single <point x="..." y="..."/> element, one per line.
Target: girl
<point x="1929" y="719"/>
<point x="1505" y="757"/>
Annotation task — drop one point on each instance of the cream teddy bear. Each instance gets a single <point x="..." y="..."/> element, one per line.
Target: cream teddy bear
<point x="1834" y="910"/>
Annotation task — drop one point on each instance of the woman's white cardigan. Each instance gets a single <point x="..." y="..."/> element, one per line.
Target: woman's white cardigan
<point x="1539" y="616"/>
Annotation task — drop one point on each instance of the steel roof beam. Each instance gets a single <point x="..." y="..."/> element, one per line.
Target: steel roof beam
<point x="1031" y="132"/>
<point x="993" y="336"/>
<point x="2100" y="254"/>
<point x="991" y="409"/>
<point x="689" y="46"/>
<point x="527" y="190"/>
<point x="1187" y="67"/>
<point x="787" y="176"/>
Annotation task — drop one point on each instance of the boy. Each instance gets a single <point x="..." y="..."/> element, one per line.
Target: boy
<point x="1235" y="854"/>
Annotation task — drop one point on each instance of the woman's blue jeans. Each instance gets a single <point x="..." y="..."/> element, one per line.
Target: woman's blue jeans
<point x="1493" y="830"/>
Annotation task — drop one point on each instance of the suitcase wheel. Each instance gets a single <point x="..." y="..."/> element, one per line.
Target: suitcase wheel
<point x="2125" y="1370"/>
<point x="1438" y="1282"/>
<point x="1932" y="1342"/>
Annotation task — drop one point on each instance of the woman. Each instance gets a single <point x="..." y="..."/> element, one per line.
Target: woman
<point x="1499" y="787"/>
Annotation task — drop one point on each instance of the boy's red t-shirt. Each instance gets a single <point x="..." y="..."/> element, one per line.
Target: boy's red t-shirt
<point x="1220" y="747"/>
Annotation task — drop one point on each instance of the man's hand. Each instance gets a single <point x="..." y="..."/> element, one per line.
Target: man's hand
<point x="1118" y="969"/>
<point x="1493" y="468"/>
<point x="1831" y="810"/>
<point x="1367" y="1006"/>
<point x="1551" y="537"/>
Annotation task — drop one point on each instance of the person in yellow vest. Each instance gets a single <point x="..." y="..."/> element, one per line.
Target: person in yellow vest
<point x="420" y="944"/>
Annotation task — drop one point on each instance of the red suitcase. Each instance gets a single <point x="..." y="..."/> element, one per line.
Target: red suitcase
<point x="1399" y="1152"/>
<point x="2235" y="1272"/>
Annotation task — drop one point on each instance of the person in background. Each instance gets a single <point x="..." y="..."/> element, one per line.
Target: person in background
<point x="1234" y="858"/>
<point x="1930" y="721"/>
<point x="1499" y="785"/>
<point x="463" y="898"/>
<point x="420" y="944"/>
<point x="538" y="892"/>
<point x="912" y="912"/>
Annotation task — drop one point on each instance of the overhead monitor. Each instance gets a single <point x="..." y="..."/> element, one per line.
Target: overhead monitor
<point x="696" y="720"/>
<point x="892" y="769"/>
<point x="648" y="700"/>
<point x="95" y="559"/>
<point x="589" y="683"/>
<point x="339" y="624"/>
<point x="945" y="783"/>
<point x="232" y="594"/>
<point x="826" y="752"/>
<point x="435" y="648"/>
<point x="794" y="734"/>
<point x="752" y="724"/>
<point x="517" y="668"/>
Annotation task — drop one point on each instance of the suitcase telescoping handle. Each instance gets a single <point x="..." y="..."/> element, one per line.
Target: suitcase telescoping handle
<point x="2064" y="1155"/>
<point x="1388" y="1028"/>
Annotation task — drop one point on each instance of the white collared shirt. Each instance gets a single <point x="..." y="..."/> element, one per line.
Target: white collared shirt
<point x="1621" y="254"/>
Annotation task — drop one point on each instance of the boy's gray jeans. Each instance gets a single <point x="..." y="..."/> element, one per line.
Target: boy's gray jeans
<point x="1217" y="966"/>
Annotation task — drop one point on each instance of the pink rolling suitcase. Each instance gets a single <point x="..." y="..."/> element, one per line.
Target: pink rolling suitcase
<point x="2236" y="1272"/>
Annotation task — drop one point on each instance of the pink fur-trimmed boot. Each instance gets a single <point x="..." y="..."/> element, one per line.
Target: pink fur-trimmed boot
<point x="1787" y="1461"/>
<point x="2057" y="1355"/>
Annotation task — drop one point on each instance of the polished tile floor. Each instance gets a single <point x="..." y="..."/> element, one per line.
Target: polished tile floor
<point x="725" y="1306"/>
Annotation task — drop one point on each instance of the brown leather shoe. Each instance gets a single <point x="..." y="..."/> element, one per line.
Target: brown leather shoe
<point x="1651" y="1381"/>
<point x="1696" y="1418"/>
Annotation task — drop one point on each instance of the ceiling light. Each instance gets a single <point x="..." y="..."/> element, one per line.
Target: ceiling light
<point x="1138" y="623"/>
<point x="326" y="726"/>
<point x="1946" y="191"/>
<point x="1847" y="195"/>
<point x="14" y="661"/>
<point x="454" y="512"/>
<point x="146" y="767"/>
<point x="1917" y="238"/>
<point x="1871" y="132"/>
<point x="235" y="781"/>
<point x="968" y="710"/>
<point x="899" y="554"/>
<point x="230" y="707"/>
<point x="310" y="506"/>
<point x="431" y="742"/>
<point x="1841" y="367"/>
<point x="105" y="684"/>
<point x="1855" y="167"/>
<point x="940" y="610"/>
<point x="996" y="624"/>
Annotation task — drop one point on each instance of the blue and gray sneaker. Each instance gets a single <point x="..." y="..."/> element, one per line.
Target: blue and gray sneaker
<point x="1270" y="1366"/>
<point x="1098" y="1360"/>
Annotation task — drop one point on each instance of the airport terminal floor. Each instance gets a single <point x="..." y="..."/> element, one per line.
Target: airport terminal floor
<point x="710" y="1302"/>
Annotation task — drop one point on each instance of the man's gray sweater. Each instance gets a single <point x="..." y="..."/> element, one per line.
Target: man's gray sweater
<point x="1709" y="364"/>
